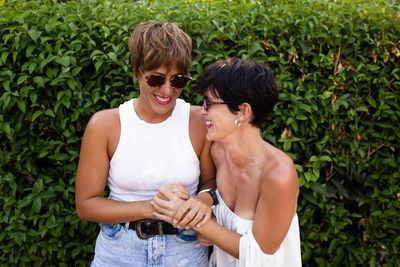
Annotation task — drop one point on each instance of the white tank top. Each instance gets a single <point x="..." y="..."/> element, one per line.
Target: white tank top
<point x="150" y="155"/>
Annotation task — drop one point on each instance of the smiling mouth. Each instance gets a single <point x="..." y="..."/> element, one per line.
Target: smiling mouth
<point x="208" y="124"/>
<point x="162" y="100"/>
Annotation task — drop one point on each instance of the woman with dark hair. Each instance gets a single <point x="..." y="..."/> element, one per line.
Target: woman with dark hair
<point x="256" y="222"/>
<point x="154" y="140"/>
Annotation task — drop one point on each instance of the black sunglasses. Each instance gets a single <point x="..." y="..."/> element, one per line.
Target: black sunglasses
<point x="207" y="103"/>
<point x="177" y="81"/>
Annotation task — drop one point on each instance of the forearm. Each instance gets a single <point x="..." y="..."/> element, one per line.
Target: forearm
<point x="100" y="209"/>
<point x="208" y="184"/>
<point x="205" y="196"/>
<point x="225" y="239"/>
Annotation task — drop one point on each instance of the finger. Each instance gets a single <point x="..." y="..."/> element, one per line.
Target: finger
<point x="162" y="217"/>
<point x="166" y="192"/>
<point x="183" y="195"/>
<point x="181" y="191"/>
<point x="204" y="242"/>
<point x="188" y="218"/>
<point x="197" y="219"/>
<point x="160" y="202"/>
<point x="156" y="206"/>
<point x="161" y="196"/>
<point x="206" y="218"/>
<point x="161" y="209"/>
<point x="182" y="211"/>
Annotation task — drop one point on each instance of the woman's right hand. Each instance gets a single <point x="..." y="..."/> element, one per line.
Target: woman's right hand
<point x="178" y="189"/>
<point x="168" y="200"/>
<point x="182" y="214"/>
<point x="203" y="240"/>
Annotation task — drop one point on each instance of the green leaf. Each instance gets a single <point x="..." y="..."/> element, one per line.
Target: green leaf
<point x="50" y="113"/>
<point x="39" y="81"/>
<point x="95" y="53"/>
<point x="34" y="34"/>
<point x="76" y="70"/>
<point x="113" y="56"/>
<point x="372" y="102"/>
<point x="4" y="56"/>
<point x="255" y="48"/>
<point x="22" y="79"/>
<point x="316" y="187"/>
<point x="36" y="114"/>
<point x="43" y="153"/>
<point x="65" y="61"/>
<point x="32" y="67"/>
<point x="37" y="205"/>
<point x="22" y="106"/>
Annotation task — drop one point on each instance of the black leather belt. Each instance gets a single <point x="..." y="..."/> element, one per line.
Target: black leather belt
<point x="149" y="228"/>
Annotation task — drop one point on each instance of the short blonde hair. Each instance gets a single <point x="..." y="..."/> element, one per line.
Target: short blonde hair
<point x="153" y="44"/>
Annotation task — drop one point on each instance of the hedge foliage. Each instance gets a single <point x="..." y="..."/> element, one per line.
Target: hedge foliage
<point x="337" y="64"/>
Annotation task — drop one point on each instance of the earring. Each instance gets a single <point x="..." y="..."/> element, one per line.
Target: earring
<point x="237" y="123"/>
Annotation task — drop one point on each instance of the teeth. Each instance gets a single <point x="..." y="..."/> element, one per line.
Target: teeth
<point x="163" y="99"/>
<point x="208" y="123"/>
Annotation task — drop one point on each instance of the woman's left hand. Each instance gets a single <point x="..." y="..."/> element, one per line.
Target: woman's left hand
<point x="194" y="212"/>
<point x="182" y="214"/>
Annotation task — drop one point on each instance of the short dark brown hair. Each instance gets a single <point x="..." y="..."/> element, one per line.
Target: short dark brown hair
<point x="238" y="81"/>
<point x="153" y="44"/>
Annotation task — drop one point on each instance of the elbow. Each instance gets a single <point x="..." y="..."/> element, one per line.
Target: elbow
<point x="270" y="249"/>
<point x="80" y="212"/>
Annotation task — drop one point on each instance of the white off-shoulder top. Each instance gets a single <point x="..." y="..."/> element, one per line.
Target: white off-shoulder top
<point x="250" y="253"/>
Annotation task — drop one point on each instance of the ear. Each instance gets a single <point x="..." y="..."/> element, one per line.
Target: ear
<point x="245" y="112"/>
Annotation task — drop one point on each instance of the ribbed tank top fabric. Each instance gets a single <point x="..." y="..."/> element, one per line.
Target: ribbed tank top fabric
<point x="150" y="155"/>
<point x="250" y="253"/>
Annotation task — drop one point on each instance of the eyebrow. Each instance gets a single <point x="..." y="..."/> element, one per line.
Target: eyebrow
<point x="211" y="97"/>
<point x="156" y="72"/>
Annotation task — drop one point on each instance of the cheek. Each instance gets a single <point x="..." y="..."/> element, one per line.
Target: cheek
<point x="178" y="92"/>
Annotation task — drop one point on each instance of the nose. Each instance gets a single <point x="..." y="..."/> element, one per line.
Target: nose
<point x="203" y="111"/>
<point x="167" y="88"/>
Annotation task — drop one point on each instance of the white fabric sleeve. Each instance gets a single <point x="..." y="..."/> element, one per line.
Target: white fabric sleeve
<point x="250" y="254"/>
<point x="288" y="254"/>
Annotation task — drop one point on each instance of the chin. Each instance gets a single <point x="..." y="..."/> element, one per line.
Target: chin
<point x="164" y="109"/>
<point x="210" y="137"/>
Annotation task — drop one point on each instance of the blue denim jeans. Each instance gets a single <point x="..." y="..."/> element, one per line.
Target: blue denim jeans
<point x="119" y="246"/>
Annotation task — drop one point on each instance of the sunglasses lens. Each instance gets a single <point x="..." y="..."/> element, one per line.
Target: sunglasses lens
<point x="179" y="81"/>
<point x="155" y="80"/>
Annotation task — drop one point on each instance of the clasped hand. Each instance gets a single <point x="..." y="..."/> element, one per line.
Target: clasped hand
<point x="173" y="204"/>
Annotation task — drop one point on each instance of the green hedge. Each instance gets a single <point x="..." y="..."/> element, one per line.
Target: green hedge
<point x="337" y="64"/>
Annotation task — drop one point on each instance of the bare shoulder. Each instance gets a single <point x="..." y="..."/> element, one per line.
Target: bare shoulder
<point x="196" y="117"/>
<point x="103" y="124"/>
<point x="105" y="118"/>
<point x="280" y="175"/>
<point x="102" y="132"/>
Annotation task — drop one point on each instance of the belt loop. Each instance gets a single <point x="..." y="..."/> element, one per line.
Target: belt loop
<point x="160" y="230"/>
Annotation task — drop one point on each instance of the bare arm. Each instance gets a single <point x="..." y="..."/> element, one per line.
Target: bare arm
<point x="272" y="219"/>
<point x="98" y="145"/>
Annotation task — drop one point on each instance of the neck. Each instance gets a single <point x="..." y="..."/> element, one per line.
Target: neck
<point x="245" y="146"/>
<point x="147" y="114"/>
